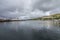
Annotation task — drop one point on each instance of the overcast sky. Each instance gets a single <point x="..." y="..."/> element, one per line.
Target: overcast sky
<point x="28" y="8"/>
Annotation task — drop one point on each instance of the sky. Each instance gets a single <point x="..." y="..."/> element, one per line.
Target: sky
<point x="25" y="9"/>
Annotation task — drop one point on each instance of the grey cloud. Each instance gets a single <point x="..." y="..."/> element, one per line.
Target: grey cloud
<point x="47" y="5"/>
<point x="32" y="8"/>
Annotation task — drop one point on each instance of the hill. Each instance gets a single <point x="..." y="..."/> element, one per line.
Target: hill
<point x="50" y="17"/>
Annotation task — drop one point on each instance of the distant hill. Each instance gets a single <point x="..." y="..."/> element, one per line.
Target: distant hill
<point x="50" y="17"/>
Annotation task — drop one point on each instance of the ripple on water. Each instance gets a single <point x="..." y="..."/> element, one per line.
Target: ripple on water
<point x="29" y="30"/>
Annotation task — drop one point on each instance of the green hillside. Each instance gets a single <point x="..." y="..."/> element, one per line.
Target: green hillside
<point x="50" y="17"/>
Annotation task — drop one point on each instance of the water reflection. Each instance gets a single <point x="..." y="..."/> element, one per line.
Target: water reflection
<point x="30" y="30"/>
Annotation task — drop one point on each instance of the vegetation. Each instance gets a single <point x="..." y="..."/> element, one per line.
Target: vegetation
<point x="51" y="17"/>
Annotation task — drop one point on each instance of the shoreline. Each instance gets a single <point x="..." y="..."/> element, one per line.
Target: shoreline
<point x="26" y="20"/>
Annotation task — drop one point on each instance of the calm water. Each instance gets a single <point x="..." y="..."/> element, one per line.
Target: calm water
<point x="30" y="30"/>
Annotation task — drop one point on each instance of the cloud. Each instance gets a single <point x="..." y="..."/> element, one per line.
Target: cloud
<point x="47" y="4"/>
<point x="27" y="8"/>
